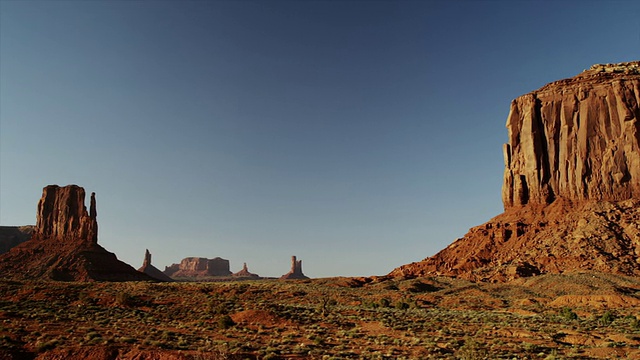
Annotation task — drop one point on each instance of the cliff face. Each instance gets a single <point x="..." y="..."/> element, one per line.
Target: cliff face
<point x="571" y="187"/>
<point x="63" y="215"/>
<point x="64" y="245"/>
<point x="578" y="139"/>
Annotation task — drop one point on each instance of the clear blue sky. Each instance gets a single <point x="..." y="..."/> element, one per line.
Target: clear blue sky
<point x="359" y="136"/>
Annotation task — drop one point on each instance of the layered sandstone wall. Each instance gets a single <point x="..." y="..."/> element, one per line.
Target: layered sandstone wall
<point x="578" y="139"/>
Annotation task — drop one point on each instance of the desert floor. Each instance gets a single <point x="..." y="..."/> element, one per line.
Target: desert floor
<point x="572" y="316"/>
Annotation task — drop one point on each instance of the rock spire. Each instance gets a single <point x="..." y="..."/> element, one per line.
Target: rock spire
<point x="151" y="270"/>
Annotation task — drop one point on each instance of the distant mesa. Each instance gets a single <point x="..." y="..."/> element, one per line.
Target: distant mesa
<point x="296" y="270"/>
<point x="198" y="267"/>
<point x="64" y="243"/>
<point x="571" y="188"/>
<point x="151" y="270"/>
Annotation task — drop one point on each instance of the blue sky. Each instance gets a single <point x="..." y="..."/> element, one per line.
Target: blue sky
<point x="357" y="135"/>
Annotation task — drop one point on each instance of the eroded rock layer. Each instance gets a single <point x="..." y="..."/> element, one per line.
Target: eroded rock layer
<point x="571" y="187"/>
<point x="531" y="240"/>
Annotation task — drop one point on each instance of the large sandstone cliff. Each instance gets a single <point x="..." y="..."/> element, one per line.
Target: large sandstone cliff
<point x="571" y="188"/>
<point x="577" y="138"/>
<point x="64" y="245"/>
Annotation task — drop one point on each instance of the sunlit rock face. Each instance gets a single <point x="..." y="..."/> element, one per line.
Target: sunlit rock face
<point x="63" y="215"/>
<point x="571" y="188"/>
<point x="578" y="139"/>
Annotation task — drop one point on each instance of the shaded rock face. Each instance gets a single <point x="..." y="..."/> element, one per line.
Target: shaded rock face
<point x="571" y="187"/>
<point x="64" y="245"/>
<point x="151" y="270"/>
<point x="11" y="236"/>
<point x="199" y="267"/>
<point x="577" y="139"/>
<point x="296" y="270"/>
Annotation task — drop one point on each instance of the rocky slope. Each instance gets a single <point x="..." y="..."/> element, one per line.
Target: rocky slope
<point x="64" y="245"/>
<point x="571" y="185"/>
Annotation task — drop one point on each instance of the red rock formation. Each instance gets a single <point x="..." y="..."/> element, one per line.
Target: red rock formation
<point x="571" y="187"/>
<point x="63" y="215"/>
<point x="578" y="139"/>
<point x="151" y="270"/>
<point x="193" y="267"/>
<point x="64" y="245"/>
<point x="296" y="270"/>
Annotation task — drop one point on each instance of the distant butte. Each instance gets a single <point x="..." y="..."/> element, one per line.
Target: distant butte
<point x="151" y="270"/>
<point x="64" y="245"/>
<point x="571" y="189"/>
<point x="296" y="270"/>
<point x="244" y="273"/>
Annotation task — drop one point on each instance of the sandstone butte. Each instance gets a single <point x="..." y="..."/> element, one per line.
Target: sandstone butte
<point x="64" y="244"/>
<point x="571" y="189"/>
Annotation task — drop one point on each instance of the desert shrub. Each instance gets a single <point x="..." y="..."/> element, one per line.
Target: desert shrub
<point x="391" y="286"/>
<point x="125" y="299"/>
<point x="568" y="314"/>
<point x="225" y="322"/>
<point x="384" y="302"/>
<point x="606" y="319"/>
<point x="401" y="305"/>
<point x="470" y="350"/>
<point x="327" y="305"/>
<point x="418" y="286"/>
